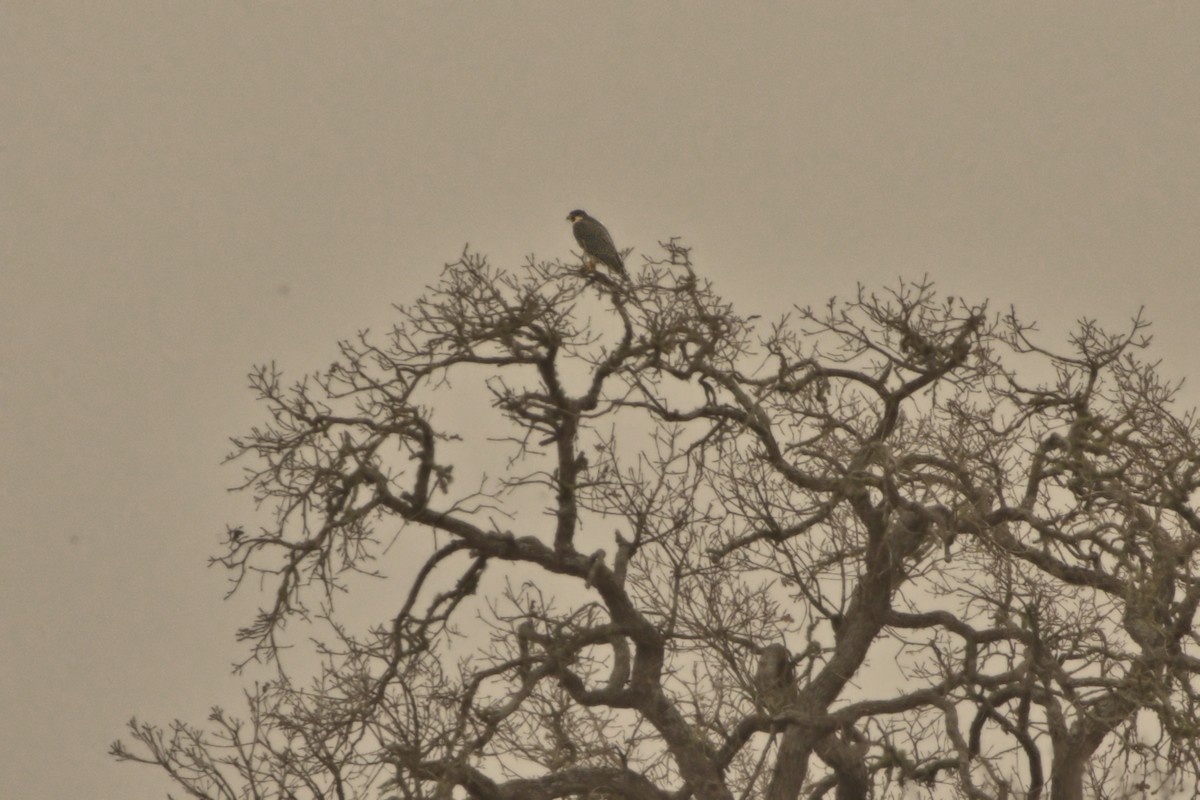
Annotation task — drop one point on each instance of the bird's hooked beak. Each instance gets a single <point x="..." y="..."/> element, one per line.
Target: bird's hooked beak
<point x="570" y="217"/>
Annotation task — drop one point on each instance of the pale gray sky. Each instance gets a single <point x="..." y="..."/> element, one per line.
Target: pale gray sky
<point x="187" y="188"/>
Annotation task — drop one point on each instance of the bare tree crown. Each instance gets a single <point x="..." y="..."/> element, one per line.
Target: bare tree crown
<point x="890" y="544"/>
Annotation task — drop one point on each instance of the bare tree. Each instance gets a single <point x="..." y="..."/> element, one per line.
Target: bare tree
<point x="890" y="546"/>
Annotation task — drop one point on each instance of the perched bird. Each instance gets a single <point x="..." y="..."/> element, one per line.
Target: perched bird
<point x="596" y="241"/>
<point x="775" y="678"/>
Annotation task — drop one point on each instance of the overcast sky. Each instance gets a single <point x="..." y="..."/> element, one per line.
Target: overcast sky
<point x="187" y="188"/>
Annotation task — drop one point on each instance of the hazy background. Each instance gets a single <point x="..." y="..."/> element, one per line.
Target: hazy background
<point x="187" y="188"/>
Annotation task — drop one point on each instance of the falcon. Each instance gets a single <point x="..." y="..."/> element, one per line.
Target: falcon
<point x="597" y="243"/>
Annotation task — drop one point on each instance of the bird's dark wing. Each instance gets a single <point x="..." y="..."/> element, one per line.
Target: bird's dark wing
<point x="597" y="242"/>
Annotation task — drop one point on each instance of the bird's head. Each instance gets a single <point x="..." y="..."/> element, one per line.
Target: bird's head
<point x="576" y="215"/>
